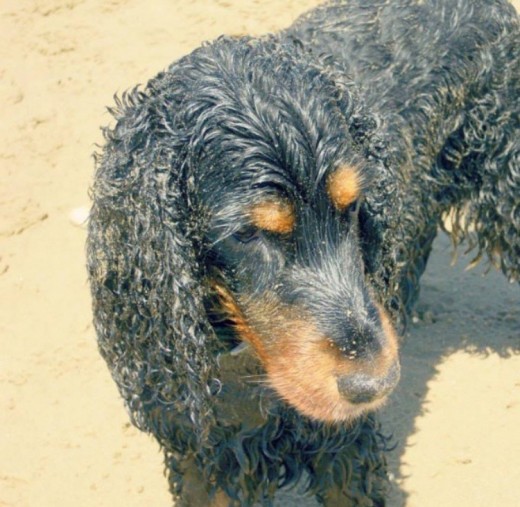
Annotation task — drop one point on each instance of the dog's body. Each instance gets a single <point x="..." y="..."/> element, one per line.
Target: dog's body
<point x="283" y="193"/>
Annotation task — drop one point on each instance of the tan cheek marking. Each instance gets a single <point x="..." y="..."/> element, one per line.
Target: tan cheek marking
<point x="344" y="186"/>
<point x="274" y="216"/>
<point x="232" y="310"/>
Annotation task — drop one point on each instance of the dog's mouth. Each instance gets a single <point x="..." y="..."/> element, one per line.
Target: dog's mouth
<point x="308" y="372"/>
<point x="306" y="369"/>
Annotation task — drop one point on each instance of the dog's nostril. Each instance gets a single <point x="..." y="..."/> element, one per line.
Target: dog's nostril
<point x="360" y="388"/>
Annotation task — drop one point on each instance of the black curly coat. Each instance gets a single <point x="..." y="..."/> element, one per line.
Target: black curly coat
<point x="284" y="192"/>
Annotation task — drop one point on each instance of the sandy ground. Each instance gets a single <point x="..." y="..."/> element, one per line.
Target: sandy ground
<point x="64" y="436"/>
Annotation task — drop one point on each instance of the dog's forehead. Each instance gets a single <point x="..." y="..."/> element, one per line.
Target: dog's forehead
<point x="276" y="203"/>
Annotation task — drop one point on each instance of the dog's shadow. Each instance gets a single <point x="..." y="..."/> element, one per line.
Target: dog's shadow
<point x="458" y="310"/>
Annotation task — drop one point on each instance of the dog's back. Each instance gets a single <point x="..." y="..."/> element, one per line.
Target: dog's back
<point x="441" y="76"/>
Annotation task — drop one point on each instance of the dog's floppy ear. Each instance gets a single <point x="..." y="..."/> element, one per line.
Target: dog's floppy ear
<point x="145" y="278"/>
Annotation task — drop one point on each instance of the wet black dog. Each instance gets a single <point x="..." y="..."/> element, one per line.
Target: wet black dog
<point x="263" y="211"/>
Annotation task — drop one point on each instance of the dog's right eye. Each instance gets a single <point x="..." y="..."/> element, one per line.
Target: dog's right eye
<point x="246" y="234"/>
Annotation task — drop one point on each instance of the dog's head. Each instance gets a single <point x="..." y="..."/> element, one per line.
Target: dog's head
<point x="280" y="181"/>
<point x="241" y="173"/>
<point x="288" y="272"/>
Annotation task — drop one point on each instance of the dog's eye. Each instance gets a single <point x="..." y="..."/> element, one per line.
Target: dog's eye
<point x="246" y="234"/>
<point x="352" y="211"/>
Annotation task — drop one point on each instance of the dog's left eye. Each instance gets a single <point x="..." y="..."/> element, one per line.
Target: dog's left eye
<point x="246" y="234"/>
<point x="352" y="211"/>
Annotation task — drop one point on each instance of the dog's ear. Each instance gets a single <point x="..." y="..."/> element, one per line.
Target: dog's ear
<point x="145" y="278"/>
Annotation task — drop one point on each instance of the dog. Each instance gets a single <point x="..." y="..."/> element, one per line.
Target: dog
<point x="262" y="213"/>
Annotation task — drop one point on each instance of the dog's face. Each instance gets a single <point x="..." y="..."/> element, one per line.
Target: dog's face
<point x="279" y="178"/>
<point x="286" y="265"/>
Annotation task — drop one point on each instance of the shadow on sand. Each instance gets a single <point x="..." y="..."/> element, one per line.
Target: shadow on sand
<point x="458" y="310"/>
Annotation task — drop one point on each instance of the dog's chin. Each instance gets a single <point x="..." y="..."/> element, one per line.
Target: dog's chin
<point x="322" y="402"/>
<point x="343" y="412"/>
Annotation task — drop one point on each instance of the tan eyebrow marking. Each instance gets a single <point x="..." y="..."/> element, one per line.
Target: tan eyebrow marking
<point x="274" y="216"/>
<point x="344" y="186"/>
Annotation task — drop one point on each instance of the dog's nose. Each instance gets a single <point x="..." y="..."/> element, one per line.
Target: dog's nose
<point x="358" y="388"/>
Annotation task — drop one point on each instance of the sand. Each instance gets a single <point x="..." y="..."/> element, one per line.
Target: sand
<point x="64" y="435"/>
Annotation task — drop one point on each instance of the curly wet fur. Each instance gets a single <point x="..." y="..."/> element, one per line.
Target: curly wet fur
<point x="424" y="95"/>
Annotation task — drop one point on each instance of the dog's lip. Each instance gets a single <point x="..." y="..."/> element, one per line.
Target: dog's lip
<point x="363" y="388"/>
